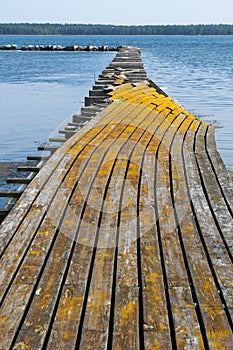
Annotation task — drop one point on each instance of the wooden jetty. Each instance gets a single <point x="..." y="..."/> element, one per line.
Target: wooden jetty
<point x="123" y="240"/>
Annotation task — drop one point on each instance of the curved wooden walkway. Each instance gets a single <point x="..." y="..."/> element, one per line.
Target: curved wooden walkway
<point x="124" y="238"/>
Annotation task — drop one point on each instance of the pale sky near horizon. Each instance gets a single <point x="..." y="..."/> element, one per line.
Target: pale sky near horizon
<point x="117" y="12"/>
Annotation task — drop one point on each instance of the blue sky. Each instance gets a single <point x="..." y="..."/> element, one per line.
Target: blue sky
<point x="118" y="11"/>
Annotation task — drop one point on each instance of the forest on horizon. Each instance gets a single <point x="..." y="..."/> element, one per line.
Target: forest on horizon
<point x="108" y="29"/>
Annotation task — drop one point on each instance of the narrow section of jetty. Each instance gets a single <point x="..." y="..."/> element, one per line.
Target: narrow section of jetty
<point x="123" y="239"/>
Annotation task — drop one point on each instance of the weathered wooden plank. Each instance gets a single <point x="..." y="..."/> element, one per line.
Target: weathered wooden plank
<point x="33" y="190"/>
<point x="28" y="329"/>
<point x="97" y="313"/>
<point x="28" y="272"/>
<point x="43" y="158"/>
<point x="202" y="268"/>
<point x="194" y="332"/>
<point x="221" y="173"/>
<point x="85" y="228"/>
<point x="219" y="210"/>
<point x="3" y="213"/>
<point x="49" y="148"/>
<point x="126" y="331"/>
<point x="33" y="169"/>
<point x="187" y="321"/>
<point x="94" y="317"/>
<point x="11" y="194"/>
<point x="19" y="243"/>
<point x="155" y="320"/>
<point x="19" y="180"/>
<point x="122" y="335"/>
<point x="186" y="327"/>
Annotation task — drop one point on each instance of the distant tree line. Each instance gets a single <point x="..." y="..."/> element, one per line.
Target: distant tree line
<point x="108" y="29"/>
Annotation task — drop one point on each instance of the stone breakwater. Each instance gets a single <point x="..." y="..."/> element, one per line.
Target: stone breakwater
<point x="59" y="48"/>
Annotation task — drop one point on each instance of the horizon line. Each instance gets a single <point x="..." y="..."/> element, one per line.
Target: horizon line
<point x="119" y="25"/>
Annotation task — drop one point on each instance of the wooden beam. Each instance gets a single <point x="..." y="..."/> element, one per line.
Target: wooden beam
<point x="11" y="194"/>
<point x="38" y="158"/>
<point x="25" y="168"/>
<point x="4" y="212"/>
<point x="57" y="139"/>
<point x="18" y="180"/>
<point x="47" y="148"/>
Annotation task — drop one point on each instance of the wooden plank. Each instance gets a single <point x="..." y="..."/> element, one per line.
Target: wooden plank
<point x="214" y="194"/>
<point x="96" y="318"/>
<point x="97" y="312"/>
<point x="84" y="229"/>
<point x="202" y="270"/>
<point x="126" y="314"/>
<point x="27" y="198"/>
<point x="44" y="301"/>
<point x="18" y="180"/>
<point x="27" y="330"/>
<point x="26" y="280"/>
<point x="33" y="169"/>
<point x="4" y="212"/>
<point x="43" y="158"/>
<point x="221" y="173"/>
<point x="11" y="194"/>
<point x="187" y="321"/>
<point x="155" y="320"/>
<point x="219" y="242"/>
<point x="84" y="265"/>
<point x="57" y="139"/>
<point x="186" y="328"/>
<point x="49" y="148"/>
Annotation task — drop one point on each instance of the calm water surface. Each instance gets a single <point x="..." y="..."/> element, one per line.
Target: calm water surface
<point x="39" y="91"/>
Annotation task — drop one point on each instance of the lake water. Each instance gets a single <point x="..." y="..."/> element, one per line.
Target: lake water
<point x="39" y="91"/>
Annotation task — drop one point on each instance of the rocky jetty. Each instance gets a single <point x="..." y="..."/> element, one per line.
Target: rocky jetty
<point x="59" y="48"/>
